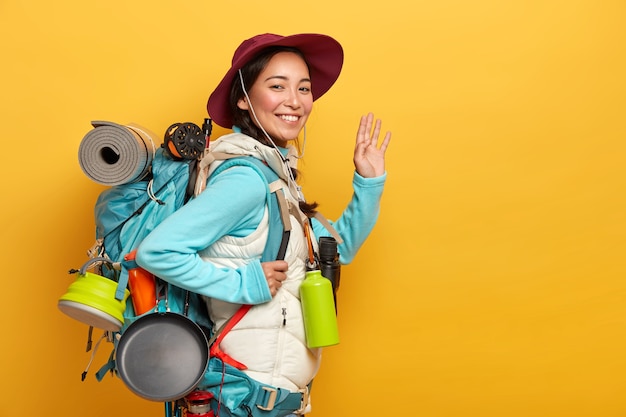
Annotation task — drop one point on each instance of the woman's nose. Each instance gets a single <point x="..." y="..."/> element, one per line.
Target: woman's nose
<point x="293" y="100"/>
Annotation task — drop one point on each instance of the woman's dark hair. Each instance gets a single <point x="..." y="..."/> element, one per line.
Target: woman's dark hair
<point x="241" y="118"/>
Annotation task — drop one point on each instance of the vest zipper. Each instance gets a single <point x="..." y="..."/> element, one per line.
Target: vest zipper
<point x="276" y="372"/>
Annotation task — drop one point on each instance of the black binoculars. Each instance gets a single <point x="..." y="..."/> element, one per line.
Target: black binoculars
<point x="329" y="261"/>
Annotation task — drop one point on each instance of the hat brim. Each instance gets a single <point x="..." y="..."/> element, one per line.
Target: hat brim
<point x="323" y="54"/>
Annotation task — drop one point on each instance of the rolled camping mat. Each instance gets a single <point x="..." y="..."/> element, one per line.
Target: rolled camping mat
<point x="112" y="154"/>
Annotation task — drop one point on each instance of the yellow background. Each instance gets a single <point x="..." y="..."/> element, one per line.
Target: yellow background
<point x="494" y="283"/>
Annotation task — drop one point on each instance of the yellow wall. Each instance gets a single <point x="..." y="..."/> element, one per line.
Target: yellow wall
<point x="494" y="283"/>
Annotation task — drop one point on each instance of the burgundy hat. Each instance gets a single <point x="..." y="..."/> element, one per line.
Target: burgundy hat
<point x="323" y="54"/>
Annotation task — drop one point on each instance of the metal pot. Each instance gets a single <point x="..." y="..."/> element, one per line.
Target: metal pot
<point x="162" y="356"/>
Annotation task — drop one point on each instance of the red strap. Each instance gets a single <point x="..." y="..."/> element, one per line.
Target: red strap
<point x="215" y="350"/>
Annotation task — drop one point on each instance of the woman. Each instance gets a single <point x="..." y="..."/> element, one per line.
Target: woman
<point x="213" y="245"/>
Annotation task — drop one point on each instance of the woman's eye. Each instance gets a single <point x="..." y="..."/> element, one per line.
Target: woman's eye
<point x="276" y="87"/>
<point x="305" y="89"/>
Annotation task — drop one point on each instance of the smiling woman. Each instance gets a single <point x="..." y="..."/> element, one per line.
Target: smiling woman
<point x="216" y="241"/>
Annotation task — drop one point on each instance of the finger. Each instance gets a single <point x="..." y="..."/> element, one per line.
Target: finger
<point x="369" y="122"/>
<point x="376" y="133"/>
<point x="282" y="266"/>
<point x="361" y="133"/>
<point x="277" y="285"/>
<point x="383" y="146"/>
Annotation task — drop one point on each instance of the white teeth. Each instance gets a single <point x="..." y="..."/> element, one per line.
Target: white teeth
<point x="289" y="118"/>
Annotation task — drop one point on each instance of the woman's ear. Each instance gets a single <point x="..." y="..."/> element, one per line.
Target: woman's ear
<point x="242" y="103"/>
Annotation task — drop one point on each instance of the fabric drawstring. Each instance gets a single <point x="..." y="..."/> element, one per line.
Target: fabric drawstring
<point x="219" y="398"/>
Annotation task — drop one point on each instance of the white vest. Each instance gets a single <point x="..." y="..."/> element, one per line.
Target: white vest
<point x="270" y="338"/>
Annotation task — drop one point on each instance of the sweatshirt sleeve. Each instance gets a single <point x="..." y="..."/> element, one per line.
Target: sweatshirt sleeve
<point x="358" y="219"/>
<point x="170" y="251"/>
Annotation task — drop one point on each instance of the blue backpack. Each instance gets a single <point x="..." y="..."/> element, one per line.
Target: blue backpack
<point x="125" y="214"/>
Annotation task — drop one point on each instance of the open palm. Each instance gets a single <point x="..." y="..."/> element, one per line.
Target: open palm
<point x="369" y="158"/>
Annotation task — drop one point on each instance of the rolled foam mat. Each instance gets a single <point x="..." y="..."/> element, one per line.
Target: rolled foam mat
<point x="112" y="154"/>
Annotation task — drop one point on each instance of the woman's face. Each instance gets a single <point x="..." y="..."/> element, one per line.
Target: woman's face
<point x="281" y="97"/>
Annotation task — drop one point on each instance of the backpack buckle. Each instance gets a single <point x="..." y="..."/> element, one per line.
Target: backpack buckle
<point x="304" y="402"/>
<point x="271" y="401"/>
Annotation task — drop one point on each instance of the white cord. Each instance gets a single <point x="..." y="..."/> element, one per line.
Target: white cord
<point x="303" y="145"/>
<point x="290" y="178"/>
<point x="93" y="354"/>
<point x="151" y="194"/>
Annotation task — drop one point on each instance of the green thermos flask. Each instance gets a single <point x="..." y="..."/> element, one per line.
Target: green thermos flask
<point x="318" y="309"/>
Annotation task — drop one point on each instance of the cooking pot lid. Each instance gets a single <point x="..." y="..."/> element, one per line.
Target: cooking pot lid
<point x="162" y="356"/>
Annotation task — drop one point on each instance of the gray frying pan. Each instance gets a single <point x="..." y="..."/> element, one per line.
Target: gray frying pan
<point x="162" y="356"/>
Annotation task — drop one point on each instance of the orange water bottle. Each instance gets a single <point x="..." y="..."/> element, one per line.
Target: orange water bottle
<point x="142" y="287"/>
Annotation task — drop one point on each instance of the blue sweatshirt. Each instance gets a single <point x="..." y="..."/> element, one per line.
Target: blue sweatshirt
<point x="233" y="204"/>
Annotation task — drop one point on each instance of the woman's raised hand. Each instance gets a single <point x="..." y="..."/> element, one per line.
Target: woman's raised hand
<point x="369" y="158"/>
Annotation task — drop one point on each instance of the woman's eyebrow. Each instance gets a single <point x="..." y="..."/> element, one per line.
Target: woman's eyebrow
<point x="285" y="78"/>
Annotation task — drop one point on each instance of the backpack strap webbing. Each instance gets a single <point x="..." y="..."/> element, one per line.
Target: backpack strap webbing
<point x="214" y="343"/>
